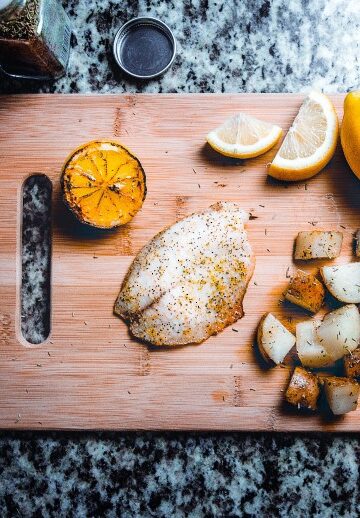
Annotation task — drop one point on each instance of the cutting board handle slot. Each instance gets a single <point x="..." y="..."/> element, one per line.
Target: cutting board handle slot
<point x="36" y="241"/>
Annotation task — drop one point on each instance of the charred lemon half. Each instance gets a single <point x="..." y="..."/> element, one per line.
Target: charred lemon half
<point x="103" y="184"/>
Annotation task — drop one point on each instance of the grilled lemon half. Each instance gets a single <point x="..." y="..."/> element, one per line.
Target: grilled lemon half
<point x="103" y="184"/>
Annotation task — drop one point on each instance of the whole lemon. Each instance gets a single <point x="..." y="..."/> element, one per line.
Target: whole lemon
<point x="350" y="131"/>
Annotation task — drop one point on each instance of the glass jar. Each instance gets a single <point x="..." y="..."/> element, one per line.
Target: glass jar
<point x="34" y="39"/>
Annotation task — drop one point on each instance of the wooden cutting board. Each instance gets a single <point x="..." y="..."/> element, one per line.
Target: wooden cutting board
<point x="90" y="374"/>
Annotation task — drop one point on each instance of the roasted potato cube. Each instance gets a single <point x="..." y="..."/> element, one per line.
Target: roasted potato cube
<point x="343" y="281"/>
<point x="357" y="243"/>
<point x="306" y="291"/>
<point x="341" y="394"/>
<point x="303" y="390"/>
<point x="339" y="332"/>
<point x="309" y="349"/>
<point x="352" y="364"/>
<point x="274" y="340"/>
<point x="318" y="244"/>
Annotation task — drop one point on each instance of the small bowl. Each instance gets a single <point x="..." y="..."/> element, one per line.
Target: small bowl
<point x="144" y="47"/>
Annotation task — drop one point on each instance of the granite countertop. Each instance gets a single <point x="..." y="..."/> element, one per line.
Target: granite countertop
<point x="223" y="46"/>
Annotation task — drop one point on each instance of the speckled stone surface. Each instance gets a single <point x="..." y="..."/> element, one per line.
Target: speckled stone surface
<point x="242" y="46"/>
<point x="223" y="46"/>
<point x="176" y="475"/>
<point x="36" y="243"/>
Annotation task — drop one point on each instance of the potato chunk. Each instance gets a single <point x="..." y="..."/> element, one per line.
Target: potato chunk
<point x="318" y="244"/>
<point x="343" y="281"/>
<point x="352" y="364"/>
<point x="341" y="394"/>
<point x="309" y="349"/>
<point x="357" y="243"/>
<point x="306" y="291"/>
<point x="339" y="332"/>
<point x="274" y="340"/>
<point x="303" y="390"/>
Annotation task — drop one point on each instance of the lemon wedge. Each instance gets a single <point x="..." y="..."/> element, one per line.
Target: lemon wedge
<point x="310" y="142"/>
<point x="243" y="136"/>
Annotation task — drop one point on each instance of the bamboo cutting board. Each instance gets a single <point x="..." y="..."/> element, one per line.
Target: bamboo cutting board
<point x="90" y="374"/>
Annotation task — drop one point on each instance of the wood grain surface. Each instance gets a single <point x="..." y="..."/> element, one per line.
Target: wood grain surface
<point x="90" y="374"/>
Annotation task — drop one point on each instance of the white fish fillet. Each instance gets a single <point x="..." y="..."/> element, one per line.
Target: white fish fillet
<point x="189" y="281"/>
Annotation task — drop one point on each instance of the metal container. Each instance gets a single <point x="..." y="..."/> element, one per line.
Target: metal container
<point x="144" y="47"/>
